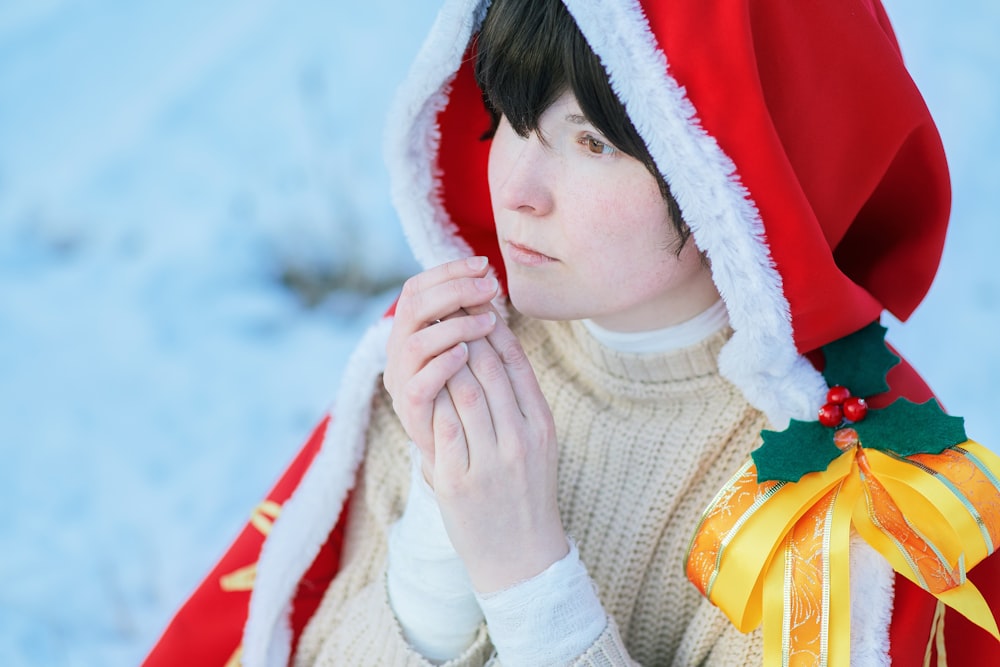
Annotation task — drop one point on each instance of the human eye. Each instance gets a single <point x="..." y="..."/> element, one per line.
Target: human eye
<point x="596" y="146"/>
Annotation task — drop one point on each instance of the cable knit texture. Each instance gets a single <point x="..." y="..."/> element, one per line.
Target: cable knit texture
<point x="645" y="443"/>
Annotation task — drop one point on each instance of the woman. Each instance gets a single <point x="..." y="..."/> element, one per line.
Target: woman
<point x="583" y="182"/>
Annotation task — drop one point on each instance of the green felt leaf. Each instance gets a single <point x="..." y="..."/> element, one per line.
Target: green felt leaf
<point x="907" y="428"/>
<point x="802" y="448"/>
<point x="860" y="361"/>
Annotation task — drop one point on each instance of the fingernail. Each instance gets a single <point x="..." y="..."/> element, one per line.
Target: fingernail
<point x="477" y="263"/>
<point x="486" y="318"/>
<point x="487" y="284"/>
<point x="461" y="348"/>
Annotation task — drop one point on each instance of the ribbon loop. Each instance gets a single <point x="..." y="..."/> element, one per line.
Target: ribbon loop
<point x="778" y="552"/>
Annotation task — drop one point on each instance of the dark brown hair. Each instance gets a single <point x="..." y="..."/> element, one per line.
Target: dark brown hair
<point x="527" y="53"/>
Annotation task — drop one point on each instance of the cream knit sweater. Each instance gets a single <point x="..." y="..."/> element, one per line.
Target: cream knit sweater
<point x="646" y="441"/>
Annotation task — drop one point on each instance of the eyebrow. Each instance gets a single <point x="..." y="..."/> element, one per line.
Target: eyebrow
<point x="577" y="119"/>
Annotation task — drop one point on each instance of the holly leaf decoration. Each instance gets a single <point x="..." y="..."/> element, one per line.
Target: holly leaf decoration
<point x="860" y="361"/>
<point x="908" y="428"/>
<point x="802" y="448"/>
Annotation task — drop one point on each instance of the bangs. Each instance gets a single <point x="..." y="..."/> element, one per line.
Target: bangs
<point x="521" y="56"/>
<point x="528" y="53"/>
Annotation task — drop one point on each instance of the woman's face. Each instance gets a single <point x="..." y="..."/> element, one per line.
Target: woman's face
<point x="584" y="230"/>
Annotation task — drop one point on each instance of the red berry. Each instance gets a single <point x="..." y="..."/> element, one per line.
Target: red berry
<point x="831" y="415"/>
<point x="838" y="394"/>
<point x="855" y="409"/>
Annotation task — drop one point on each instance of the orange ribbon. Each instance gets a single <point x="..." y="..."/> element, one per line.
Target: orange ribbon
<point x="777" y="553"/>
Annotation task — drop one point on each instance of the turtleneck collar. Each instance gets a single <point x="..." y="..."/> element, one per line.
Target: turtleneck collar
<point x="604" y="369"/>
<point x="675" y="337"/>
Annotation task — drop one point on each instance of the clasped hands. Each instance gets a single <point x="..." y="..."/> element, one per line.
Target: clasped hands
<point x="469" y="399"/>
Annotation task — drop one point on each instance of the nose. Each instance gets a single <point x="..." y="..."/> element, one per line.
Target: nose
<point x="521" y="172"/>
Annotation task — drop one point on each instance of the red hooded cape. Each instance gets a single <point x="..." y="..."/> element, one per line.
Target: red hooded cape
<point x="809" y="170"/>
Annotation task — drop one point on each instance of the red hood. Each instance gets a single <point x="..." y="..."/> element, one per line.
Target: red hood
<point x="798" y="147"/>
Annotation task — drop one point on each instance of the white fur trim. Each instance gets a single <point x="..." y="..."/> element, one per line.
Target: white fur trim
<point x="761" y="358"/>
<point x="872" y="594"/>
<point x="308" y="516"/>
<point x="412" y="137"/>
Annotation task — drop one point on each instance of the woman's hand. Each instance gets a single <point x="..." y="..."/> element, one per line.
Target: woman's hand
<point x="427" y="343"/>
<point x="468" y="398"/>
<point x="495" y="465"/>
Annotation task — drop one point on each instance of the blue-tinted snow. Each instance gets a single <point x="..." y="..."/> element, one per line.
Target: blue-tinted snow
<point x="160" y="164"/>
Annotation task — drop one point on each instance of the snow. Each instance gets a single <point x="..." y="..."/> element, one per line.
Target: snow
<point x="166" y="169"/>
<point x="162" y="166"/>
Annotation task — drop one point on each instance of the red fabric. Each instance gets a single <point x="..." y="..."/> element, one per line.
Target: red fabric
<point x="965" y="643"/>
<point x="845" y="167"/>
<point x="828" y="133"/>
<point x="463" y="156"/>
<point x="207" y="630"/>
<point x="833" y="141"/>
<point x="913" y="608"/>
<point x="912" y="616"/>
<point x="902" y="379"/>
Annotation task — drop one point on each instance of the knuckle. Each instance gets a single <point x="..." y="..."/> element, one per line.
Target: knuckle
<point x="404" y="314"/>
<point x="489" y="367"/>
<point x="453" y="269"/>
<point x="414" y="396"/>
<point x="412" y="405"/>
<point x="408" y="308"/>
<point x="467" y="395"/>
<point x="448" y="431"/>
<point x="512" y="354"/>
<point x="458" y="288"/>
<point x="412" y="347"/>
<point x="410" y="287"/>
<point x="471" y="328"/>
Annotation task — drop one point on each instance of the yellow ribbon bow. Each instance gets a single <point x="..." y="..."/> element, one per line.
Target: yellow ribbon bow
<point x="778" y="552"/>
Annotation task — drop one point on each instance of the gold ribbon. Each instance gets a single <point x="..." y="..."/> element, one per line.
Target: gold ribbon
<point x="777" y="553"/>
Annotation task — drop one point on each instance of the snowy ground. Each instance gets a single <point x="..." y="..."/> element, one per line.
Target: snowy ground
<point x="165" y="170"/>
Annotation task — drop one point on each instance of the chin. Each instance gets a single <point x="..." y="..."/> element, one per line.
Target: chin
<point x="542" y="306"/>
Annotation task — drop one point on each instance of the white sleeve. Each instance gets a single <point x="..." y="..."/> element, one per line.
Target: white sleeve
<point x="547" y="620"/>
<point x="429" y="588"/>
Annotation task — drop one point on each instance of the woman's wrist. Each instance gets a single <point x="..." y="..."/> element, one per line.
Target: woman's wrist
<point x="491" y="574"/>
<point x="428" y="586"/>
<point x="549" y="619"/>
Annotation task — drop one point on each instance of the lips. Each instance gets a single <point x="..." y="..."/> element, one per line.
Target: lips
<point x="526" y="255"/>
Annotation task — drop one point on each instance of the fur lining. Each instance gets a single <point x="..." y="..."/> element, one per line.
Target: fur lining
<point x="872" y="593"/>
<point x="308" y="516"/>
<point x="412" y="137"/>
<point x="761" y="358"/>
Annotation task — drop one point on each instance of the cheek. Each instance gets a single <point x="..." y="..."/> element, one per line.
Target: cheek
<point x="501" y="156"/>
<point x="637" y="245"/>
<point x="493" y="166"/>
<point x="636" y="219"/>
